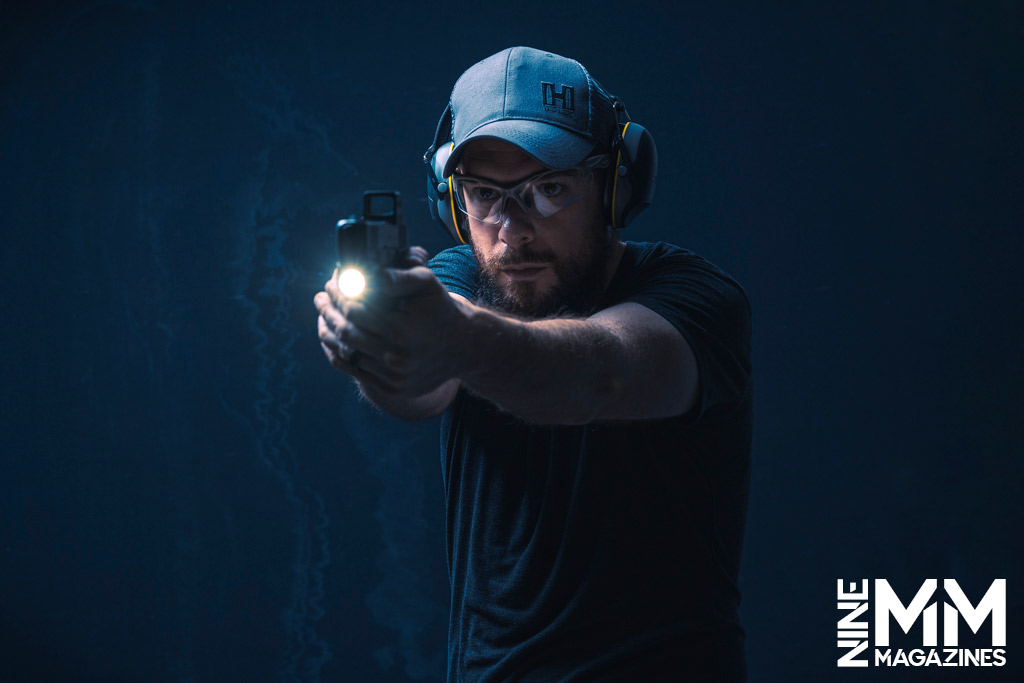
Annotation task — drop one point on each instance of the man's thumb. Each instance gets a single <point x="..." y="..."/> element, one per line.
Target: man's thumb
<point x="415" y="256"/>
<point x="407" y="282"/>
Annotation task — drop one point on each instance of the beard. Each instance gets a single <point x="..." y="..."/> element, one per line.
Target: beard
<point x="579" y="286"/>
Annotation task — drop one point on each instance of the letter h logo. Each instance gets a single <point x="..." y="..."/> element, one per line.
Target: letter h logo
<point x="565" y="95"/>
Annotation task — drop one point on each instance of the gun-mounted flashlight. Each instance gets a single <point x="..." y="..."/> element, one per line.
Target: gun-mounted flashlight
<point x="366" y="243"/>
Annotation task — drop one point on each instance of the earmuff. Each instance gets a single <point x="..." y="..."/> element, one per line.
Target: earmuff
<point x="630" y="186"/>
<point x="440" y="191"/>
<point x="628" y="190"/>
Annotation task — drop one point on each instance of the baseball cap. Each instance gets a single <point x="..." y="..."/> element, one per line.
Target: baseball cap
<point x="546" y="104"/>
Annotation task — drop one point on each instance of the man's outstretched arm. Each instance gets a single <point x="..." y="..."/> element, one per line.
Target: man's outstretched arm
<point x="622" y="363"/>
<point x="625" y="362"/>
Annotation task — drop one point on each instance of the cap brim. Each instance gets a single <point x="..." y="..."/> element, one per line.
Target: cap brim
<point x="550" y="145"/>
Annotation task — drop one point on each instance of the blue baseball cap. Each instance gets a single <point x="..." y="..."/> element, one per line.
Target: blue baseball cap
<point x="545" y="104"/>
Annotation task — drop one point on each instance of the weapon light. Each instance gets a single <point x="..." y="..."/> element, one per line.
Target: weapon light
<point x="366" y="243"/>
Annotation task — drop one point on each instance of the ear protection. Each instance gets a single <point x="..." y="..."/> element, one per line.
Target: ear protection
<point x="628" y="190"/>
<point x="630" y="186"/>
<point x="440" y="190"/>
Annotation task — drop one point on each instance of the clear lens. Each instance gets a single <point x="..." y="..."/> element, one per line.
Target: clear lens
<point x="540" y="196"/>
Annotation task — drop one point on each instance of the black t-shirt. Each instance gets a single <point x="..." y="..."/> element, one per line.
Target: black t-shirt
<point x="608" y="551"/>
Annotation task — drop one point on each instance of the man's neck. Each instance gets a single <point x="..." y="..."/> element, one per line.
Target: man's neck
<point x="613" y="263"/>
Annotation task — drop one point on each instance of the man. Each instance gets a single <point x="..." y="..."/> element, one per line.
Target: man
<point x="596" y="397"/>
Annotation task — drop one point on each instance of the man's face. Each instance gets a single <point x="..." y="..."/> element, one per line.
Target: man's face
<point x="536" y="266"/>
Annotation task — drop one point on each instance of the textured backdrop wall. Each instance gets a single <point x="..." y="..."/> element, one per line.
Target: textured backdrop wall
<point x="189" y="493"/>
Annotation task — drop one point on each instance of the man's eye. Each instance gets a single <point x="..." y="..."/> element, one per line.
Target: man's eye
<point x="551" y="189"/>
<point x="484" y="194"/>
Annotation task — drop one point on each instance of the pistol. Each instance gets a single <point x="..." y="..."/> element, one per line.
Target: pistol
<point x="368" y="242"/>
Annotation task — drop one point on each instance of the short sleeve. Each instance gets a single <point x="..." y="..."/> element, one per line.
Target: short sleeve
<point x="457" y="270"/>
<point x="709" y="308"/>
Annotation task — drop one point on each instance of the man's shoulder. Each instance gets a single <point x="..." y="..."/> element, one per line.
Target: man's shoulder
<point x="644" y="252"/>
<point x="456" y="268"/>
<point x="647" y="259"/>
<point x="460" y="253"/>
<point x="666" y="269"/>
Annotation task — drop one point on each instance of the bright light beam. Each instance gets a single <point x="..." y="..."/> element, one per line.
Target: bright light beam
<point x="351" y="282"/>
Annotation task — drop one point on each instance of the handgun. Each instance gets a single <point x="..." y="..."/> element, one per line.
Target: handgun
<point x="368" y="242"/>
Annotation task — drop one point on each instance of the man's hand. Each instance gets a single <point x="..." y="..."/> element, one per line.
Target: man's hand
<point x="412" y="345"/>
<point x="404" y="341"/>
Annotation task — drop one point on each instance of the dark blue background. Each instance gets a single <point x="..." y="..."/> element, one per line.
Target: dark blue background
<point x="189" y="493"/>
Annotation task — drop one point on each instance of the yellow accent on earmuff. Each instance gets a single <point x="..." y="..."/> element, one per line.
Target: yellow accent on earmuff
<point x="451" y="203"/>
<point x="455" y="218"/>
<point x="615" y="183"/>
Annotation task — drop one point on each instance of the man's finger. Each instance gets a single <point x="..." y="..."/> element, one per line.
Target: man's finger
<point x="370" y="345"/>
<point x="327" y="335"/>
<point x="322" y="302"/>
<point x="372" y="368"/>
<point x="368" y="319"/>
<point x="337" y="359"/>
<point x="333" y="354"/>
<point x="365" y="369"/>
<point x="337" y="298"/>
<point x="399" y="283"/>
<point x="415" y="256"/>
<point x="332" y="317"/>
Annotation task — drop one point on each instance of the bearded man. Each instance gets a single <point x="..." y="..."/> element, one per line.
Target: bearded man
<point x="595" y="394"/>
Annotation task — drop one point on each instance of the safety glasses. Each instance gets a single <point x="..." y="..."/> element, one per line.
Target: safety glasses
<point x="540" y="196"/>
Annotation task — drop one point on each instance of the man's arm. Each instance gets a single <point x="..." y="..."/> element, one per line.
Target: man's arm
<point x="623" y="363"/>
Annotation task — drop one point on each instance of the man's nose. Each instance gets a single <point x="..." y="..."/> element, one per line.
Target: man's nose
<point x="516" y="226"/>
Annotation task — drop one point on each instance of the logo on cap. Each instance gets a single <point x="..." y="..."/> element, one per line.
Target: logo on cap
<point x="565" y="96"/>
